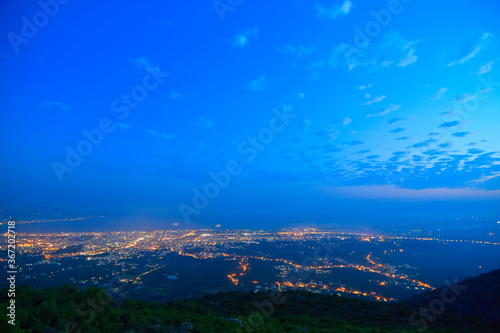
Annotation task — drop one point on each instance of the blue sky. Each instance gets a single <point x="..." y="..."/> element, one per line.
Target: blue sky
<point x="309" y="112"/>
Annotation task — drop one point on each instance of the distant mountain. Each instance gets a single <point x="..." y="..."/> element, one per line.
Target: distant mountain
<point x="47" y="213"/>
<point x="474" y="297"/>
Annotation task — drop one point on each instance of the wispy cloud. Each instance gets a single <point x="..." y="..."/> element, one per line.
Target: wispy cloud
<point x="445" y="145"/>
<point x="464" y="98"/>
<point x="461" y="134"/>
<point x="305" y="124"/>
<point x="299" y="52"/>
<point x="475" y="151"/>
<point x="340" y="121"/>
<point x="396" y="120"/>
<point x="383" y="111"/>
<point x="397" y="130"/>
<point x="409" y="59"/>
<point x="334" y="11"/>
<point x="175" y="95"/>
<point x="449" y="124"/>
<point x="373" y="100"/>
<point x="165" y="136"/>
<point x="143" y="62"/>
<point x="390" y="50"/>
<point x="354" y="143"/>
<point x="471" y="49"/>
<point x="364" y="151"/>
<point x="287" y="49"/>
<point x="329" y="133"/>
<point x="258" y="84"/>
<point x="242" y="39"/>
<point x="204" y="122"/>
<point x="58" y="106"/>
<point x="484" y="69"/>
<point x="123" y="126"/>
<point x="332" y="149"/>
<point x="424" y="143"/>
<point x="439" y="94"/>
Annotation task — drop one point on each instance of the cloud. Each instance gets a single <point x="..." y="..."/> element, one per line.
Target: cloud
<point x="363" y="87"/>
<point x="340" y="121"/>
<point x="175" y="95"/>
<point x="334" y="11"/>
<point x="316" y="64"/>
<point x="165" y="136"/>
<point x="464" y="98"/>
<point x="449" y="124"/>
<point x="397" y="130"/>
<point x="374" y="99"/>
<point x="475" y="151"/>
<point x="388" y="191"/>
<point x="471" y="49"/>
<point x="258" y="84"/>
<point x="421" y="144"/>
<point x="409" y="59"/>
<point x="400" y="153"/>
<point x="354" y="143"/>
<point x="204" y="122"/>
<point x="396" y="120"/>
<point x="449" y="113"/>
<point x="287" y="49"/>
<point x="391" y="49"/>
<point x="371" y="157"/>
<point x="242" y="39"/>
<point x="383" y="111"/>
<point x="143" y="62"/>
<point x="445" y="145"/>
<point x="362" y="151"/>
<point x="484" y="69"/>
<point x="305" y="124"/>
<point x="330" y="133"/>
<point x="123" y="126"/>
<point x="439" y="94"/>
<point x="461" y="134"/>
<point x="58" y="106"/>
<point x="301" y="95"/>
<point x="402" y="138"/>
<point x="332" y="149"/>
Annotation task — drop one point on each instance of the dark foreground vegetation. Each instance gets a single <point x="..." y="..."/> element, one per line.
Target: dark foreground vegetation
<point x="64" y="309"/>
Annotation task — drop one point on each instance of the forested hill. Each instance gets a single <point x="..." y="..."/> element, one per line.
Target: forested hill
<point x="65" y="309"/>
<point x="477" y="296"/>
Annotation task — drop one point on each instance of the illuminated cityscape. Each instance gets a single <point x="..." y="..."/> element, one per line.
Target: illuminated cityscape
<point x="164" y="264"/>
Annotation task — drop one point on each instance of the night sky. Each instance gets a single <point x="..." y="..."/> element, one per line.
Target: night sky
<point x="252" y="113"/>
